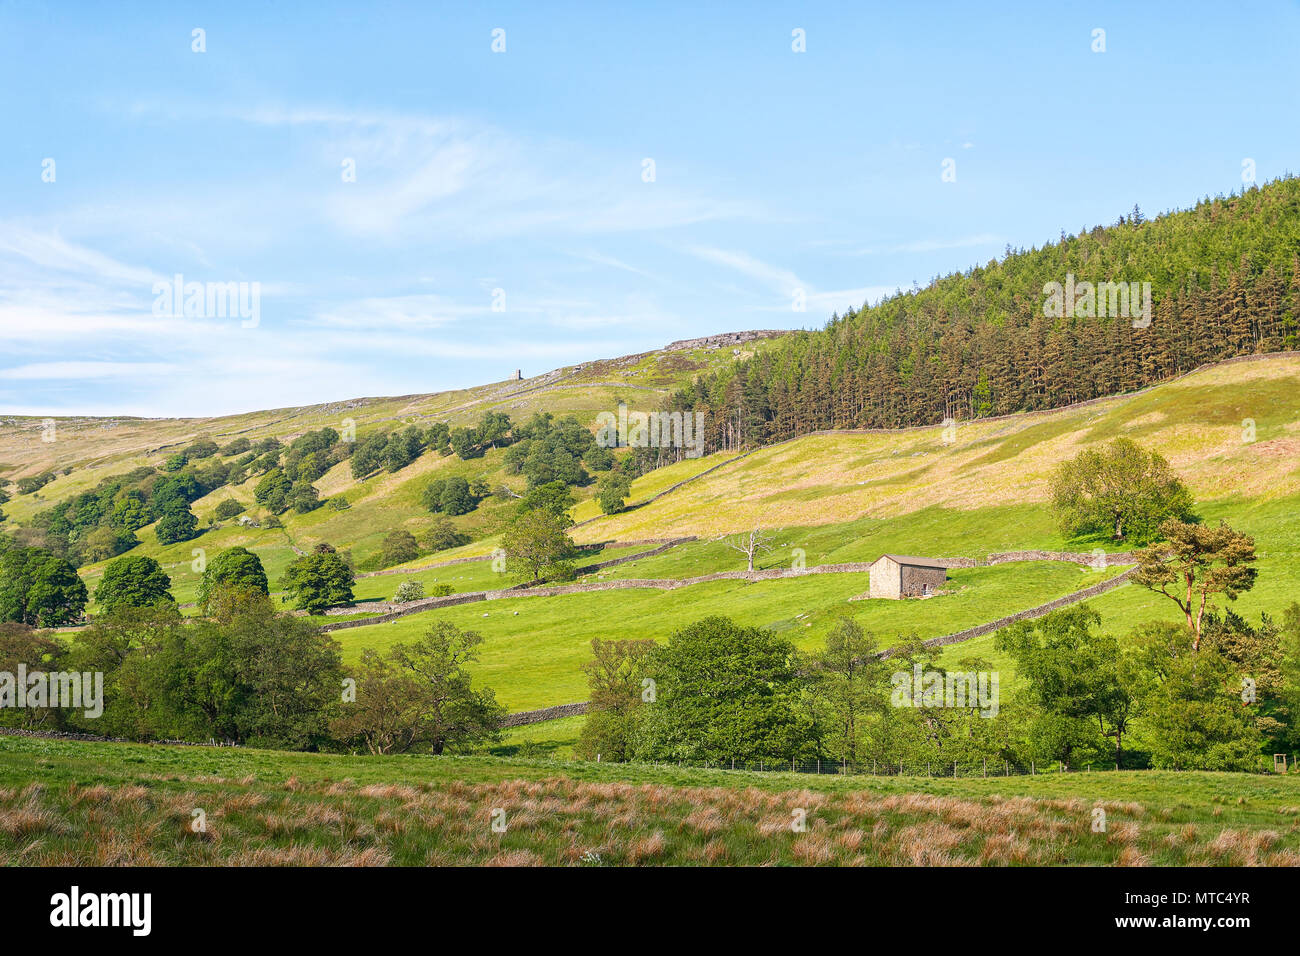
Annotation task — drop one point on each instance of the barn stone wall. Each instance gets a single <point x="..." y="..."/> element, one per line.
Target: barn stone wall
<point x="886" y="580"/>
<point x="913" y="580"/>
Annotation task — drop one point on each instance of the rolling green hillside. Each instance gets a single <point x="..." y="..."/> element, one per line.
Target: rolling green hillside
<point x="91" y="450"/>
<point x="849" y="498"/>
<point x="1232" y="432"/>
<point x="828" y="499"/>
<point x="94" y="447"/>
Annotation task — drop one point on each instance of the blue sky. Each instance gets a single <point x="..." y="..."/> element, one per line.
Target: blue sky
<point x="776" y="175"/>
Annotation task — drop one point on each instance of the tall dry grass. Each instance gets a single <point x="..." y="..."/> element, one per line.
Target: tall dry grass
<point x="563" y="822"/>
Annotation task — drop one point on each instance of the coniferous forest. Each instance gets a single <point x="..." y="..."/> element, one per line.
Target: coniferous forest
<point x="1224" y="279"/>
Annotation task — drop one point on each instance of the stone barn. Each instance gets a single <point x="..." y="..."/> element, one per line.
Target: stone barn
<point x="899" y="575"/>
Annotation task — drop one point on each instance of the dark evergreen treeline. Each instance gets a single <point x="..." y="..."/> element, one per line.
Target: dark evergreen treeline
<point x="1225" y="281"/>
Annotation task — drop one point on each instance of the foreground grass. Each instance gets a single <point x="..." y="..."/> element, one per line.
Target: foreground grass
<point x="64" y="803"/>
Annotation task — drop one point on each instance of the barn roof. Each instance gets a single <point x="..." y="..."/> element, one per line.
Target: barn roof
<point x="914" y="561"/>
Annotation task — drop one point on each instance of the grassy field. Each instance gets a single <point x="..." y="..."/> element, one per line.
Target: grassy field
<point x="1275" y="525"/>
<point x="551" y="738"/>
<point x="535" y="647"/>
<point x="833" y="498"/>
<point x="472" y="575"/>
<point x="64" y="803"/>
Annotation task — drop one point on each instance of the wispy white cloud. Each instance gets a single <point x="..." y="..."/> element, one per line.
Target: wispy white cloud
<point x="788" y="286"/>
<point x="777" y="279"/>
<point x="449" y="177"/>
<point x="822" y="304"/>
<point x="49" y="250"/>
<point x="933" y="245"/>
<point x="612" y="262"/>
<point x="372" y="287"/>
<point x="38" y="371"/>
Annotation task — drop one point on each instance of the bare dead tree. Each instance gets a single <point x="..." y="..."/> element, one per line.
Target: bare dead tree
<point x="755" y="542"/>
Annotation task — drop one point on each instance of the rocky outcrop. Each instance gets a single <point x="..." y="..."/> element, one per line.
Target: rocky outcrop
<point x="726" y="338"/>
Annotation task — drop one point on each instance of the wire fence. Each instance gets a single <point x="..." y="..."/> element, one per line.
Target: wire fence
<point x="890" y="768"/>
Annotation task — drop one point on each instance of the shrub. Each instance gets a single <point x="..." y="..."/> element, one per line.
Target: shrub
<point x="457" y="498"/>
<point x="725" y="691"/>
<point x="272" y="492"/>
<point x="612" y="491"/>
<point x="203" y="448"/>
<point x="304" y="497"/>
<point x="39" y="588"/>
<point x="408" y="591"/>
<point x="34" y="483"/>
<point x="1122" y="490"/>
<point x="107" y="542"/>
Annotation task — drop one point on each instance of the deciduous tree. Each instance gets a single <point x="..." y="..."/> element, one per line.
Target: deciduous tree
<point x="319" y="580"/>
<point x="1121" y="489"/>
<point x="1196" y="563"/>
<point x="133" y="581"/>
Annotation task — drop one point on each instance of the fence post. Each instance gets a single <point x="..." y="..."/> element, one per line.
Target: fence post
<point x="927" y="769"/>
<point x="1032" y="768"/>
<point x="954" y="768"/>
<point x="1006" y="768"/>
<point x="986" y="766"/>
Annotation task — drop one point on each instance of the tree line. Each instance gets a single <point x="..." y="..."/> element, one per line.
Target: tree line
<point x="244" y="672"/>
<point x="1225" y="278"/>
<point x="719" y="692"/>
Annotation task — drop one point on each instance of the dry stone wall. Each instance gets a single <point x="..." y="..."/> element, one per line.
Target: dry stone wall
<point x="546" y="713"/>
<point x="1033" y="612"/>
